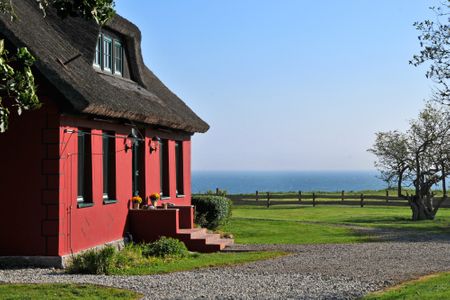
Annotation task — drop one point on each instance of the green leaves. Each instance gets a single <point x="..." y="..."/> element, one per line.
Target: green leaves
<point x="99" y="10"/>
<point x="17" y="87"/>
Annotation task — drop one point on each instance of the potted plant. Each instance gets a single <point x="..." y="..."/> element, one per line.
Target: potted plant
<point x="154" y="199"/>
<point x="136" y="200"/>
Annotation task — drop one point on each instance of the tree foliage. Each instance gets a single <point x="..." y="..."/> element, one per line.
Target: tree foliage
<point x="391" y="149"/>
<point x="420" y="155"/>
<point x="434" y="40"/>
<point x="17" y="87"/>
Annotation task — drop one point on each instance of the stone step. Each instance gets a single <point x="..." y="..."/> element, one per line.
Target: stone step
<point x="193" y="232"/>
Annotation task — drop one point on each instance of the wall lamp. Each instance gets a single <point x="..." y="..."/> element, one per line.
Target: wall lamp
<point x="154" y="143"/>
<point x="132" y="138"/>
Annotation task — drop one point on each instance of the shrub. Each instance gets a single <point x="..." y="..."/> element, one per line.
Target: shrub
<point x="165" y="247"/>
<point x="94" y="261"/>
<point x="129" y="257"/>
<point x="211" y="211"/>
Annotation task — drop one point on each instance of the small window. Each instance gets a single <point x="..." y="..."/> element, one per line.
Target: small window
<point x="118" y="58"/>
<point x="84" y="167"/>
<point x="109" y="166"/>
<point x="179" y="167"/>
<point x="107" y="54"/>
<point x="164" y="168"/>
<point x="98" y="52"/>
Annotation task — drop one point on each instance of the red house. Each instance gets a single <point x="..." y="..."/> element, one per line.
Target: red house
<point x="108" y="129"/>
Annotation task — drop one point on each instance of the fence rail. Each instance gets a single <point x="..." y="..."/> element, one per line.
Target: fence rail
<point x="269" y="198"/>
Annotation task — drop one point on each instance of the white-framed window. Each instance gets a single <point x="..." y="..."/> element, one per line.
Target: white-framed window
<point x="118" y="58"/>
<point x="107" y="53"/>
<point x="98" y="52"/>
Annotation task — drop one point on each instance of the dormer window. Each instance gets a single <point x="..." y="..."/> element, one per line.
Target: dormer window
<point x="118" y="58"/>
<point x="98" y="52"/>
<point x="109" y="54"/>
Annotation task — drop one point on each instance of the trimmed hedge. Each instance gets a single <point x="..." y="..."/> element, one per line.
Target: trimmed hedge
<point x="211" y="211"/>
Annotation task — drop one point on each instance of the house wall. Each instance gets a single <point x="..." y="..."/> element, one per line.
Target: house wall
<point x="29" y="182"/>
<point x="82" y="228"/>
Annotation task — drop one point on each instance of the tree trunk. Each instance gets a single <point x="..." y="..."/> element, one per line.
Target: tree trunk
<point x="399" y="186"/>
<point x="421" y="208"/>
<point x="444" y="175"/>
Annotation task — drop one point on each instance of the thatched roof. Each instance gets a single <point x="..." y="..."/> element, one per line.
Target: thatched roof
<point x="52" y="41"/>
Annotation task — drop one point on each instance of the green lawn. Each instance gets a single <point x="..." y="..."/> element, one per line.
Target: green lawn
<point x="63" y="291"/>
<point x="155" y="265"/>
<point x="429" y="287"/>
<point x="306" y="224"/>
<point x="250" y="231"/>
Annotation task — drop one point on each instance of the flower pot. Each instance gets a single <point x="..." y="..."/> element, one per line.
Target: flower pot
<point x="155" y="203"/>
<point x="165" y="205"/>
<point x="136" y="205"/>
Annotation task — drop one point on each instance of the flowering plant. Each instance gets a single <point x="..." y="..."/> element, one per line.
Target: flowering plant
<point x="136" y="199"/>
<point x="154" y="197"/>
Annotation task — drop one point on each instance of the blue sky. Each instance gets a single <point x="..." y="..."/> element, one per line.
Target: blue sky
<point x="286" y="84"/>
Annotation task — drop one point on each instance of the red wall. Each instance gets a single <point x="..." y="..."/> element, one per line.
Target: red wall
<point x="86" y="227"/>
<point x="29" y="161"/>
<point x="38" y="184"/>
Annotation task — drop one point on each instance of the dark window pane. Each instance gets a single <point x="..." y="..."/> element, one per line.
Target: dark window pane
<point x="84" y="166"/>
<point x="179" y="167"/>
<point x="81" y="159"/>
<point x="164" y="168"/>
<point x="109" y="166"/>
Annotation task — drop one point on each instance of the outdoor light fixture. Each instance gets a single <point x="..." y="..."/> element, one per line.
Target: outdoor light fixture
<point x="153" y="146"/>
<point x="133" y="138"/>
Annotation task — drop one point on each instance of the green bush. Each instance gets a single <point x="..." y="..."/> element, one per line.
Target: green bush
<point x="94" y="261"/>
<point x="211" y="211"/>
<point x="165" y="247"/>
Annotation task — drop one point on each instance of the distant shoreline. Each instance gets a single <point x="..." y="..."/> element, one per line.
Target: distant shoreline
<point x="244" y="182"/>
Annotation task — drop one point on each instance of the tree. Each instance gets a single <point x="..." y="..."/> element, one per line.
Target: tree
<point x="427" y="137"/>
<point x="421" y="155"/>
<point x="17" y="87"/>
<point x="435" y="43"/>
<point x="391" y="149"/>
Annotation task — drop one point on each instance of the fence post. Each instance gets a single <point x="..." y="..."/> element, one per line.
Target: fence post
<point x="299" y="196"/>
<point x="314" y="199"/>
<point x="268" y="199"/>
<point x="362" y="200"/>
<point x="387" y="196"/>
<point x="257" y="195"/>
<point x="342" y="196"/>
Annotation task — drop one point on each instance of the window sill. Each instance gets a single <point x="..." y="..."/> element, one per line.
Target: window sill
<point x="165" y="198"/>
<point x="85" y="204"/>
<point x="181" y="196"/>
<point x="109" y="201"/>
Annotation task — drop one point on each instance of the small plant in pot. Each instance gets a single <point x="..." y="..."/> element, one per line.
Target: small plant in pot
<point x="154" y="198"/>
<point x="136" y="200"/>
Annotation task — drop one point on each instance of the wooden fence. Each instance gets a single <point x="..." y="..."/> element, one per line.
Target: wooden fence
<point x="269" y="198"/>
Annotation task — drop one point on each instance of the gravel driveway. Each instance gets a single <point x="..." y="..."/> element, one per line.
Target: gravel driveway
<point x="343" y="271"/>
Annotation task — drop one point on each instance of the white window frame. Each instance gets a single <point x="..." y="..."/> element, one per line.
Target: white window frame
<point x="107" y="57"/>
<point x="118" y="57"/>
<point x="98" y="52"/>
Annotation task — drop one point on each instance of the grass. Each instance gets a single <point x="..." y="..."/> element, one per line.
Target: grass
<point x="63" y="291"/>
<point x="250" y="231"/>
<point x="325" y="224"/>
<point x="435" y="286"/>
<point x="155" y="265"/>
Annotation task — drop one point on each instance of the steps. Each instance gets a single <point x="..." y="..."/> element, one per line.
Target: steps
<point x="149" y="225"/>
<point x="199" y="240"/>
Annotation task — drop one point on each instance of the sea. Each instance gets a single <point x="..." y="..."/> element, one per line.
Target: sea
<point x="241" y="182"/>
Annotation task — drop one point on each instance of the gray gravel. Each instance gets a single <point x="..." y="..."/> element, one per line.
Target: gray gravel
<point x="344" y="271"/>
